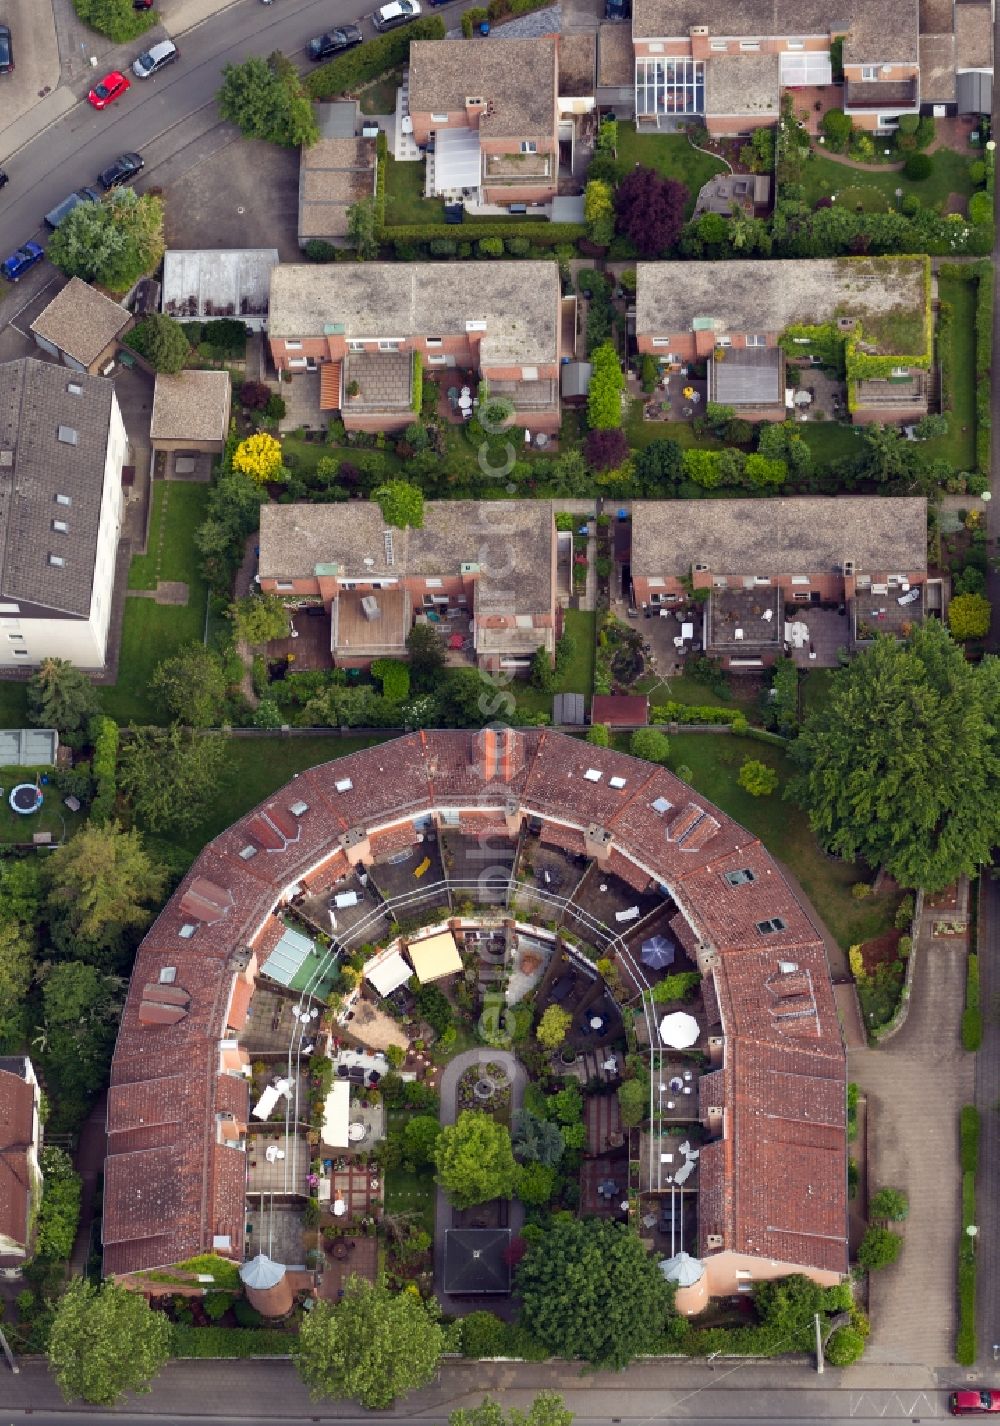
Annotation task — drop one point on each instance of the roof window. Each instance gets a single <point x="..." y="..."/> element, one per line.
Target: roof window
<point x="187" y="931"/>
<point x="64" y="500"/>
<point x="68" y="435"/>
<point x="344" y="784"/>
<point x="57" y="561"/>
<point x="299" y="809"/>
<point x="740" y="878"/>
<point x="168" y="975"/>
<point x="592" y="775"/>
<point x="247" y="852"/>
<point x="768" y="928"/>
<point x="60" y="526"/>
<point x="616" y="782"/>
<point x="74" y="388"/>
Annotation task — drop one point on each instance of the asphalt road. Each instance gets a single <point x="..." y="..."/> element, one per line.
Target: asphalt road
<point x="159" y="117"/>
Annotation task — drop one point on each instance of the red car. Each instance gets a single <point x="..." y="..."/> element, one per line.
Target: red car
<point x="111" y="87"/>
<point x="973" y="1403"/>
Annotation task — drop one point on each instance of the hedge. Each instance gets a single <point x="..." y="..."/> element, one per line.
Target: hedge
<point x="371" y="60"/>
<point x="969" y="1138"/>
<point x="672" y="712"/>
<point x="381" y="154"/>
<point x="104" y="766"/>
<point x="230" y="1342"/>
<point x="59" y="1215"/>
<point x="546" y="235"/>
<point x="984" y="362"/>
<point x="965" y="1337"/>
<point x="972" y="1019"/>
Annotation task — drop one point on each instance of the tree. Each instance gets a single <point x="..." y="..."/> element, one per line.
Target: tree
<point x="259" y="618"/>
<point x="474" y="1160"/>
<point x="373" y="1345"/>
<point x="589" y="1289"/>
<point x="757" y="778"/>
<point x="553" y="1027"/>
<point x="543" y="675"/>
<point x="598" y="212"/>
<point x="80" y="1010"/>
<point x="633" y="1102"/>
<point x="969" y="616"/>
<point x="265" y="99"/>
<point x="61" y="696"/>
<point x="547" y="1409"/>
<point x="917" y="167"/>
<point x="401" y="504"/>
<point x="191" y="686"/>
<point x="115" y="18"/>
<point x="170" y="776"/>
<point x="16" y="966"/>
<point x="880" y="1248"/>
<point x="599" y="734"/>
<point x="423" y="644"/>
<point x="659" y="467"/>
<point x="113" y="242"/>
<point x="649" y="211"/>
<point x="90" y="1327"/>
<point x="259" y="456"/>
<point x="651" y="744"/>
<point x="846" y="1345"/>
<point x="605" y="450"/>
<point x="604" y="400"/>
<point x="889" y="1205"/>
<point x="161" y="341"/>
<point x="837" y="128"/>
<point x="420" y="1139"/>
<point x="101" y="884"/>
<point x="536" y="1140"/>
<point x="535" y="1183"/>
<point x="362" y="232"/>
<point x="899" y="765"/>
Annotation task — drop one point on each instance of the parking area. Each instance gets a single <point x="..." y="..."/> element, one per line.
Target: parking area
<point x="36" y="59"/>
<point x="243" y="196"/>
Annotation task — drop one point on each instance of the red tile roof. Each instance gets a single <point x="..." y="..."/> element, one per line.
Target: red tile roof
<point x="172" y="1187"/>
<point x="239" y="1004"/>
<point x="620" y="710"/>
<point x="17" y="1100"/>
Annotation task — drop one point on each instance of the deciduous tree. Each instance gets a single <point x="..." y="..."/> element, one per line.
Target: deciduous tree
<point x="362" y="231"/>
<point x="659" y="468"/>
<point x="401" y="504"/>
<point x="16" y="966"/>
<point x="373" y="1345"/>
<point x="757" y="778"/>
<point x="474" y="1160"/>
<point x="969" y="616"/>
<point x="880" y="1248"/>
<point x="553" y="1027"/>
<point x="265" y="99"/>
<point x="191" y="686"/>
<point x="650" y="211"/>
<point x="633" y="1102"/>
<point x="604" y="400"/>
<point x="420" y="1139"/>
<point x="113" y="243"/>
<point x="161" y="341"/>
<point x="169" y="775"/>
<point x="651" y="744"/>
<point x="259" y="456"/>
<point x="105" y="1341"/>
<point x="547" y="1409"/>
<point x="423" y="644"/>
<point x="101" y="885"/>
<point x="259" y="618"/>
<point x="118" y="19"/>
<point x="900" y="763"/>
<point x="598" y="212"/>
<point x="589" y="1289"/>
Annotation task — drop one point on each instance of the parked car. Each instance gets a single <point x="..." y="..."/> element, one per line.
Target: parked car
<point x="973" y="1403"/>
<point x="82" y="195"/>
<point x="142" y="4"/>
<point x="111" y="87"/>
<point x="124" y="168"/>
<point x="6" y="51"/>
<point x="334" y="42"/>
<point x="157" y="57"/>
<point x="18" y="263"/>
<point x="397" y="12"/>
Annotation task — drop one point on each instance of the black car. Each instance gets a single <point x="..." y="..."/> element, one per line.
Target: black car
<point x="345" y="37"/>
<point x="124" y="168"/>
<point x="6" y="51"/>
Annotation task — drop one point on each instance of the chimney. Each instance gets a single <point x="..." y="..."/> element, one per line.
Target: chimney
<point x="597" y="844"/>
<point x="497" y="754"/>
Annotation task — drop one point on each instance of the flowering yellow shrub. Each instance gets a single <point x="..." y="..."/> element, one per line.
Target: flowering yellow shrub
<point x="259" y="456"/>
<point x="857" y="963"/>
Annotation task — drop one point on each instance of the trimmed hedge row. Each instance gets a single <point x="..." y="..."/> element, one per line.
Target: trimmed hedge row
<point x="969" y="1138"/>
<point x="984" y="362"/>
<point x="965" y="1337"/>
<point x="371" y="60"/>
<point x="972" y="1018"/>
<point x="546" y="235"/>
<point x="230" y="1342"/>
<point x="104" y="767"/>
<point x="672" y="712"/>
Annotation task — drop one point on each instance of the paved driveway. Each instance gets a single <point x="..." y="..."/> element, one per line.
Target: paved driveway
<point x="36" y="57"/>
<point x="915" y="1085"/>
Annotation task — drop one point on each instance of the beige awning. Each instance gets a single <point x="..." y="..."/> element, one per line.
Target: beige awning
<point x="434" y="957"/>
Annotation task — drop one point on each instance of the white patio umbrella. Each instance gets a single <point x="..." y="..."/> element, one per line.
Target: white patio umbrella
<point x="679" y="1030"/>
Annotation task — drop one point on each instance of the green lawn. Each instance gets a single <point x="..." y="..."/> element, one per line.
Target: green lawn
<point x="256" y="767"/>
<point x="408" y="1192"/>
<point x="822" y="177"/>
<point x="783" y="827"/>
<point x="404" y="196"/>
<point x="13" y="705"/>
<point x="671" y="155"/>
<point x="639" y="433"/>
<point x="379" y="97"/>
<point x="958" y="447"/>
<point x="152" y="632"/>
<point x="578" y="676"/>
<point x="829" y="440"/>
<point x="52" y="817"/>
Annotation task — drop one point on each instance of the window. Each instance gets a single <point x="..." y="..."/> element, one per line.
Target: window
<point x="749" y="45"/>
<point x="869" y="72"/>
<point x="768" y="928"/>
<point x="14" y="637"/>
<point x="74" y="388"/>
<point x="61" y="526"/>
<point x="247" y="852"/>
<point x="434" y="341"/>
<point x="719" y="45"/>
<point x="740" y="878"/>
<point x="64" y="500"/>
<point x="528" y="146"/>
<point x="297" y="363"/>
<point x="57" y="561"/>
<point x="293" y="346"/>
<point x="661" y="341"/>
<point x="669" y="86"/>
<point x="20" y="653"/>
<point x="388" y="346"/>
<point x="723" y="341"/>
<point x="284" y="585"/>
<point x="756" y="339"/>
<point x="436" y="359"/>
<point x="800" y="579"/>
<point x="439" y="118"/>
<point x="355" y="346"/>
<point x="796" y="44"/>
<point x="10" y="609"/>
<point x="656" y="49"/>
<point x="434" y="583"/>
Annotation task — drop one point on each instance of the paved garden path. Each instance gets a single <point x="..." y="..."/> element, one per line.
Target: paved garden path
<point x="448" y="1114"/>
<point x="915" y="1084"/>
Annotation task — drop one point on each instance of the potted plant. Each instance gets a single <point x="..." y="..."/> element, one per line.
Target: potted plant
<point x="353" y="389"/>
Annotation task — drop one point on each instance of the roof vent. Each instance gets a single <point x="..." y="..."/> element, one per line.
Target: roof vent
<point x="56" y="561"/>
<point x="60" y="526"/>
<point x="64" y="500"/>
<point x="592" y="775"/>
<point x="74" y="388"/>
<point x="168" y="974"/>
<point x="662" y="806"/>
<point x="68" y="435"/>
<point x="187" y="931"/>
<point x="344" y="784"/>
<point x="299" y="809"/>
<point x="616" y="782"/>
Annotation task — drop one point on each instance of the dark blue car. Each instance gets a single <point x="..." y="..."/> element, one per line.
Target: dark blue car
<point x="18" y="263"/>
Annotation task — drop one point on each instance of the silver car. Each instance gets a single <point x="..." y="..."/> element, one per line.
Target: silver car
<point x="155" y="59"/>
